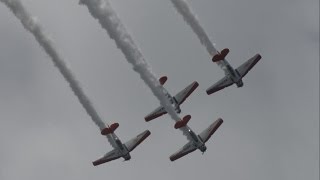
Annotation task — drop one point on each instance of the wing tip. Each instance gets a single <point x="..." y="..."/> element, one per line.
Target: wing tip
<point x="147" y="133"/>
<point x="172" y="159"/>
<point x="258" y="57"/>
<point x="96" y="163"/>
<point x="213" y="90"/>
<point x="209" y="92"/>
<point x="196" y="84"/>
<point x="149" y="118"/>
<point x="146" y="119"/>
<point x="175" y="157"/>
<point x="153" y="116"/>
<point x="217" y="123"/>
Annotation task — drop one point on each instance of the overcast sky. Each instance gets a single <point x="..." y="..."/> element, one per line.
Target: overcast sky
<point x="271" y="125"/>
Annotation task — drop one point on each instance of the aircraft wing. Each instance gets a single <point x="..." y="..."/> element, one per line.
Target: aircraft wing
<point x="186" y="149"/>
<point x="185" y="93"/>
<point x="156" y="113"/>
<point x="223" y="83"/>
<point x="112" y="155"/>
<point x="134" y="142"/>
<point x="207" y="133"/>
<point x="247" y="66"/>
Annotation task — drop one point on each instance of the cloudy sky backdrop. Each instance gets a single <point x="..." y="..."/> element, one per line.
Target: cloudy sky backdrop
<point x="271" y="125"/>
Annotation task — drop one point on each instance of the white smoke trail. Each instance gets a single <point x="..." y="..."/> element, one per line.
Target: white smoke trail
<point x="184" y="9"/>
<point x="107" y="17"/>
<point x="46" y="43"/>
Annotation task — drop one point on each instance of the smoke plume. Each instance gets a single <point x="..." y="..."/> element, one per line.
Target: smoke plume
<point x="190" y="18"/>
<point x="30" y="23"/>
<point x="107" y="17"/>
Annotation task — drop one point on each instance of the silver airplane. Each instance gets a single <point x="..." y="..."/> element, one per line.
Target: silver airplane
<point x="231" y="75"/>
<point x="176" y="101"/>
<point x="195" y="141"/>
<point x="120" y="150"/>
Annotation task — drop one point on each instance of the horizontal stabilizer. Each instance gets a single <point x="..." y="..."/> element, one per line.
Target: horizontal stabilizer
<point x="182" y="122"/>
<point x="110" y="129"/>
<point x="163" y="80"/>
<point x="221" y="56"/>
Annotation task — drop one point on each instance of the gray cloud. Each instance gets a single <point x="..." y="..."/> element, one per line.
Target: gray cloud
<point x="271" y="124"/>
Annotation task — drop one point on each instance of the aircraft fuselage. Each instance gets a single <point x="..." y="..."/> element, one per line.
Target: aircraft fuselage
<point x="197" y="141"/>
<point x="174" y="103"/>
<point x="234" y="75"/>
<point x="123" y="149"/>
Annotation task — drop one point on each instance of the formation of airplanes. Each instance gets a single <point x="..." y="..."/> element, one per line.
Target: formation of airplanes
<point x="195" y="141"/>
<point x="232" y="76"/>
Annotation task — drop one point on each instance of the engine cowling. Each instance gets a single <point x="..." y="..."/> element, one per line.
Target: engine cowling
<point x="110" y="129"/>
<point x="163" y="80"/>
<point x="182" y="122"/>
<point x="221" y="56"/>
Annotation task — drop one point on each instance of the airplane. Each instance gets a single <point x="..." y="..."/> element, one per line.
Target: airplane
<point x="195" y="141"/>
<point x="176" y="101"/>
<point x="120" y="150"/>
<point x="231" y="75"/>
